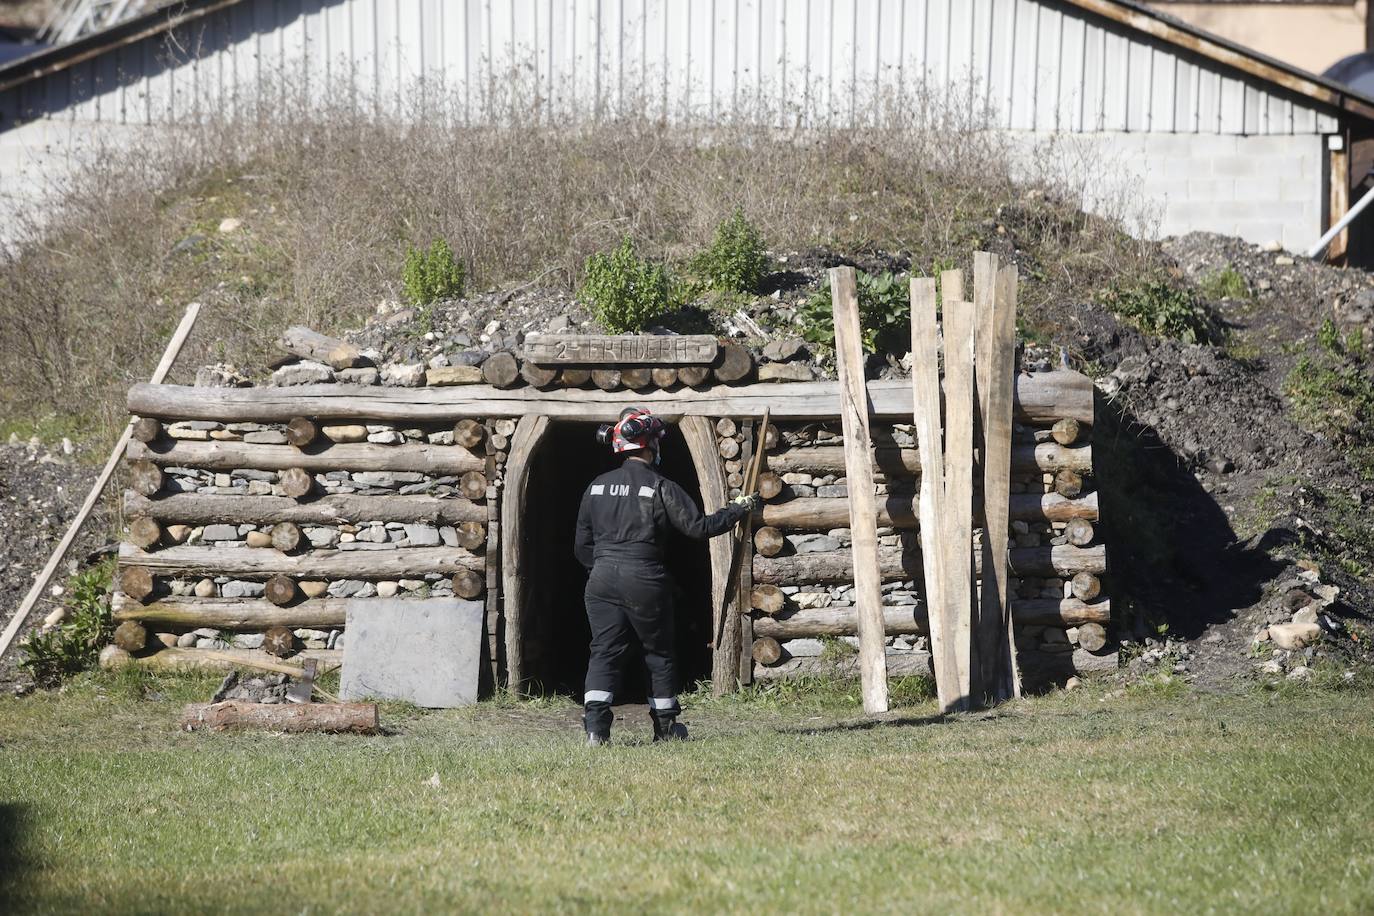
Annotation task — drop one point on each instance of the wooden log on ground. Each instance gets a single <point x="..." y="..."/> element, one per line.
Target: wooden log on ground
<point x="1092" y="637"/>
<point x="471" y="535"/>
<point x="1068" y="484"/>
<point x="896" y="564"/>
<point x="279" y="642"/>
<point x="768" y="541"/>
<point x="1065" y="431"/>
<point x="500" y="370"/>
<point x="331" y="351"/>
<point x="131" y="636"/>
<point x="468" y="584"/>
<point x="1085" y="586"/>
<point x="301" y="431"/>
<point x="144" y="532"/>
<point x="606" y="379"/>
<point x="1041" y="398"/>
<point x="574" y="377"/>
<point x="296" y="718"/>
<point x="250" y="614"/>
<point x="911" y="620"/>
<point x="323" y="564"/>
<point x="296" y="483"/>
<point x="419" y="457"/>
<point x="1079" y="532"/>
<point x="766" y="650"/>
<point x="900" y="510"/>
<point x="538" y="376"/>
<point x="206" y="509"/>
<point x="734" y="363"/>
<point x="146" y="429"/>
<point x="469" y="433"/>
<point x="638" y="378"/>
<point x="286" y="536"/>
<point x="473" y="485"/>
<point x="280" y="590"/>
<point x="136" y="582"/>
<point x="145" y="477"/>
<point x="693" y="376"/>
<point x="770" y="486"/>
<point x="767" y="599"/>
<point x="663" y="376"/>
<point x="894" y="462"/>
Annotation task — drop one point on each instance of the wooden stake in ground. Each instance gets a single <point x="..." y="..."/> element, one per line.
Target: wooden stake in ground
<point x="163" y="367"/>
<point x="925" y="384"/>
<point x="957" y="507"/>
<point x="863" y="511"/>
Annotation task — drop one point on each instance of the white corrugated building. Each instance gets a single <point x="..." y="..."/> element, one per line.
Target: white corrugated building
<point x="1205" y="135"/>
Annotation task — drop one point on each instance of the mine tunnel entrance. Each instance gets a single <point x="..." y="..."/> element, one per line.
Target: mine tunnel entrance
<point x="556" y="634"/>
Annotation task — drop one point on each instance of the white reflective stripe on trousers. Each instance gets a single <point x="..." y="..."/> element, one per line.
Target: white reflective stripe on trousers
<point x="598" y="696"/>
<point x="663" y="702"/>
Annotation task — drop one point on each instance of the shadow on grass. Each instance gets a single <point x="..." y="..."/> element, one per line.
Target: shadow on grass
<point x="12" y="861"/>
<point x="863" y="725"/>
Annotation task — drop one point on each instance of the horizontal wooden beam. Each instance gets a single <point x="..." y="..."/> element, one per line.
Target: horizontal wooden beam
<point x="416" y="457"/>
<point x="897" y="565"/>
<point x="904" y="462"/>
<point x="176" y="660"/>
<point x="1041" y="398"/>
<point x="207" y="509"/>
<point x="902" y="620"/>
<point x="900" y="511"/>
<point x="246" y="563"/>
<point x="231" y="613"/>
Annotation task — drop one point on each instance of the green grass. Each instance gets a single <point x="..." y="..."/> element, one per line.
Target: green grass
<point x="1226" y="283"/>
<point x="1142" y="801"/>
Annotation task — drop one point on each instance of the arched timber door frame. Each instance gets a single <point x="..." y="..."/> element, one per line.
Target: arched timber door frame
<point x="699" y="435"/>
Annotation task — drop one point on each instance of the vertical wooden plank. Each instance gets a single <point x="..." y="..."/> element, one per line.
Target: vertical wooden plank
<point x="1339" y="181"/>
<point x="958" y="500"/>
<point x="987" y="622"/>
<point x="1001" y="409"/>
<point x="863" y="510"/>
<point x="528" y="432"/>
<point x="700" y="436"/>
<point x="925" y="389"/>
<point x="746" y="574"/>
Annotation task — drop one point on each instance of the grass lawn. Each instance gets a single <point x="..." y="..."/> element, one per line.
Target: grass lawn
<point x="1152" y="800"/>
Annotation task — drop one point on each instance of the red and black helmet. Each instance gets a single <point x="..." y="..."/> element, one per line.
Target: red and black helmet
<point x="636" y="429"/>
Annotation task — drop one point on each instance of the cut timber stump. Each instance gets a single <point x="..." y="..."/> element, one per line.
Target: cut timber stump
<point x="1065" y="431"/>
<point x="471" y="535"/>
<point x="770" y="485"/>
<point x="734" y="364"/>
<point x="1068" y="484"/>
<point x="146" y="429"/>
<point x="473" y="485"/>
<point x="538" y="376"/>
<point x="693" y="376"/>
<point x="767" y="651"/>
<point x="468" y="433"/>
<point x="286" y="536"/>
<point x="301" y="431"/>
<point x="500" y="370"/>
<point x="606" y="379"/>
<point x="728" y="448"/>
<point x="296" y="482"/>
<point x="468" y="584"/>
<point x="574" y="377"/>
<point x="664" y="376"/>
<point x="358" y="718"/>
<point x="768" y="599"/>
<point x="280" y="590"/>
<point x="131" y="636"/>
<point x="279" y="641"/>
<point x="145" y="477"/>
<point x="1079" y="532"/>
<point x="144" y="532"/>
<point x="769" y="541"/>
<point x="725" y="427"/>
<point x="637" y="379"/>
<point x="136" y="582"/>
<point x="308" y="344"/>
<point x="1092" y="636"/>
<point x="1086" y="586"/>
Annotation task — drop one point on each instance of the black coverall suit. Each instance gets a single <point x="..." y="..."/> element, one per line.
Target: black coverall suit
<point x="622" y="526"/>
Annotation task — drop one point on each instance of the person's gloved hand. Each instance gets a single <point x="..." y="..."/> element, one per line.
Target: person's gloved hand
<point x="750" y="502"/>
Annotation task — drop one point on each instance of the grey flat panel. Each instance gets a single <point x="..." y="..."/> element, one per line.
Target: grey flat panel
<point x="425" y="651"/>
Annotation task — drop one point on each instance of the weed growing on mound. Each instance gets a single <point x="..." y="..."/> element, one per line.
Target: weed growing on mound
<point x="1332" y="391"/>
<point x="884" y="313"/>
<point x="74" y="645"/>
<point x="625" y="291"/>
<point x="735" y="262"/>
<point x="433" y="275"/>
<point x="1162" y="310"/>
<point x="1226" y="283"/>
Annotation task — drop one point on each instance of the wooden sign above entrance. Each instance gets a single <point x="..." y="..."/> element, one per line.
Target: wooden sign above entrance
<point x="606" y="350"/>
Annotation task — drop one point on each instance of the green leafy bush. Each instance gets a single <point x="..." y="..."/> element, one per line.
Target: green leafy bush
<point x="625" y="291"/>
<point x="884" y="313"/>
<point x="74" y="645"/>
<point x="433" y="275"/>
<point x="1333" y="393"/>
<point x="1226" y="283"/>
<point x="1162" y="310"/>
<point x="735" y="262"/>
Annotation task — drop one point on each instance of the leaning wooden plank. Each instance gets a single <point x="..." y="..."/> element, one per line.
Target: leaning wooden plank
<point x="529" y="431"/>
<point x="358" y="718"/>
<point x="205" y="509"/>
<point x="863" y="512"/>
<point x="331" y="351"/>
<point x="1041" y="398"/>
<point x="900" y="510"/>
<point x="901" y="462"/>
<point x="322" y="564"/>
<point x="998" y="470"/>
<point x="230" y="613"/>
<point x="956" y="510"/>
<point x="925" y="387"/>
<point x="349" y="456"/>
<point x="45" y="575"/>
<point x="897" y="565"/>
<point x="910" y="620"/>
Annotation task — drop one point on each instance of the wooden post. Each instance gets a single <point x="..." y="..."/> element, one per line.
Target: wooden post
<point x="863" y="511"/>
<point x="726" y="601"/>
<point x="1339" y="178"/>
<point x="925" y="383"/>
<point x="957" y="508"/>
<point x="746" y="563"/>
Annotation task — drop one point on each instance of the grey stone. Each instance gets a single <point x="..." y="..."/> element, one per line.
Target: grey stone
<point x="321" y="537"/>
<point x="803" y="648"/>
<point x="425" y="651"/>
<point x="186" y="641"/>
<point x="220" y="533"/>
<point x="785" y="372"/>
<point x="787" y="348"/>
<point x="212" y="644"/>
<point x="449" y="534"/>
<point x="388" y="437"/>
<point x="812" y="543"/>
<point x="345" y="588"/>
<point x="375" y="478"/>
<point x="250" y="474"/>
<point x="306" y="372"/>
<point x="833" y="491"/>
<point x="248" y="641"/>
<point x="403" y="375"/>
<point x="367" y="545"/>
<point x="239" y="589"/>
<point x="422" y="535"/>
<point x="363" y="376"/>
<point x="266" y="437"/>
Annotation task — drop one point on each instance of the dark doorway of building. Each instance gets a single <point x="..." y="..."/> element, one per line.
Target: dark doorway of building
<point x="556" y="634"/>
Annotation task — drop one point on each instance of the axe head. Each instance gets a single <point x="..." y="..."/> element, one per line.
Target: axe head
<point x="301" y="691"/>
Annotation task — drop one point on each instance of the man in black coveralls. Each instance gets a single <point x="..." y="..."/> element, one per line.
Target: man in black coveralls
<point x="622" y="526"/>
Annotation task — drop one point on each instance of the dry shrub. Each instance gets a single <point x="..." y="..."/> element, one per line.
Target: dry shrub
<point x="330" y="199"/>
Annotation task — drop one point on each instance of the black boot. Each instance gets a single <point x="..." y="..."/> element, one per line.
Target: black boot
<point x="668" y="728"/>
<point x="596" y="719"/>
